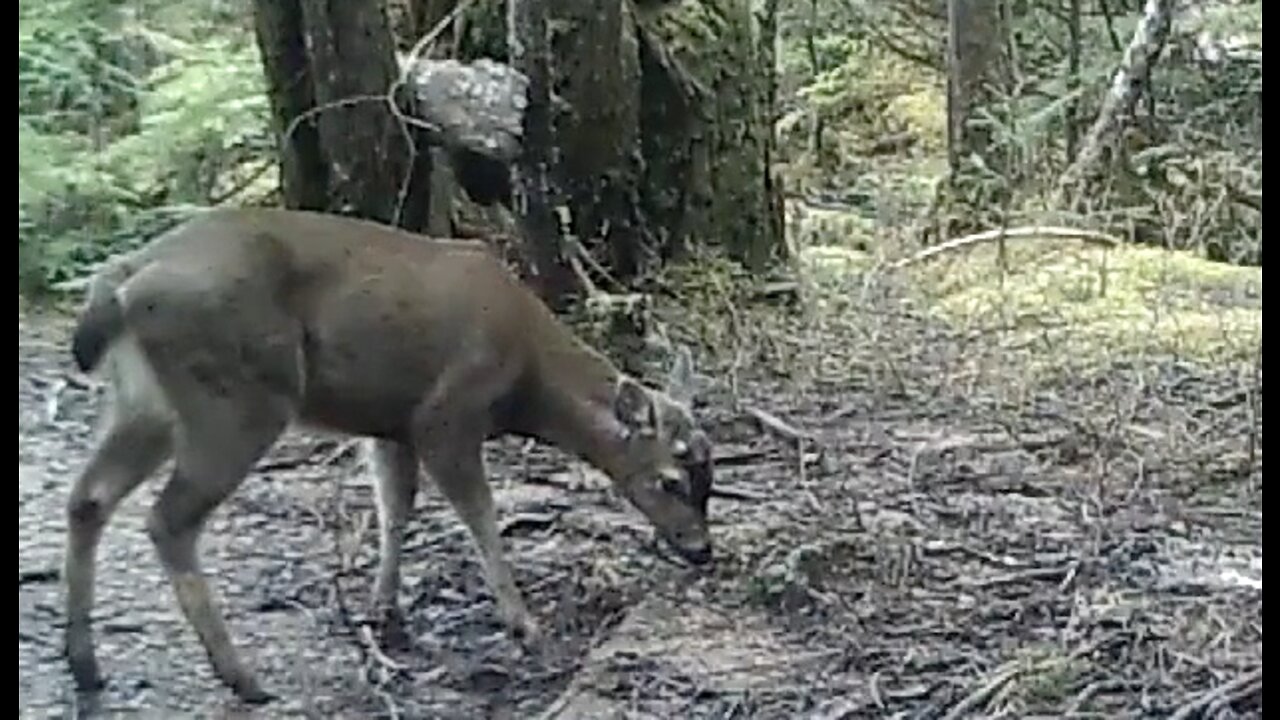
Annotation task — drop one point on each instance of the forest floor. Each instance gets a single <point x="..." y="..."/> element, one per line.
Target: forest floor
<point x="908" y="542"/>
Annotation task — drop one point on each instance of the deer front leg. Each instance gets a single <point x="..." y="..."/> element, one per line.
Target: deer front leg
<point x="396" y="467"/>
<point x="458" y="469"/>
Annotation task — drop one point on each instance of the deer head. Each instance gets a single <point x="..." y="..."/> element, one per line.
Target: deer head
<point x="668" y="470"/>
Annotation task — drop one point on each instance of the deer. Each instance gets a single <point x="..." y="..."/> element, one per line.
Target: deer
<point x="221" y="333"/>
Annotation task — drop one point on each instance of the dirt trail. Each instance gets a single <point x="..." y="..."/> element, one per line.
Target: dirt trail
<point x="915" y="560"/>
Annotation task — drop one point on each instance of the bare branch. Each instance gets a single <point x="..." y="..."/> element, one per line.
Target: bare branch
<point x="1089" y="237"/>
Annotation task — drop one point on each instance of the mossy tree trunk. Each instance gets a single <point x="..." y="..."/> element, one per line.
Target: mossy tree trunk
<point x="597" y="74"/>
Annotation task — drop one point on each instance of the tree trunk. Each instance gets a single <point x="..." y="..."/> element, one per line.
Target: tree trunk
<point x="976" y="69"/>
<point x="597" y="73"/>
<point x="660" y="134"/>
<point x="335" y="62"/>
<point x="706" y="124"/>
<point x="972" y="52"/>
<point x="1073" y="81"/>
<point x="537" y="194"/>
<point x="304" y="170"/>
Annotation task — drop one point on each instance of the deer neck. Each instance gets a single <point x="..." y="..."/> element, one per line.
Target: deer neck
<point x="576" y="388"/>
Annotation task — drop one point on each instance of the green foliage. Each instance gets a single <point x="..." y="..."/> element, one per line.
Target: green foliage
<point x="123" y="125"/>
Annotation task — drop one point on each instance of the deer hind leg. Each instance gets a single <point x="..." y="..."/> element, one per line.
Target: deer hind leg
<point x="219" y="445"/>
<point x="396" y="467"/>
<point x="137" y="440"/>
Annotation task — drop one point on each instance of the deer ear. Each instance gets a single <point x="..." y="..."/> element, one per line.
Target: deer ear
<point x="633" y="406"/>
<point x="681" y="380"/>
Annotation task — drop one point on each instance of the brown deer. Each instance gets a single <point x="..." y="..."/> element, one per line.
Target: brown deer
<point x="226" y="330"/>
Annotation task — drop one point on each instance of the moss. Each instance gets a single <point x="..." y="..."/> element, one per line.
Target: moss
<point x="1128" y="300"/>
<point x="924" y="113"/>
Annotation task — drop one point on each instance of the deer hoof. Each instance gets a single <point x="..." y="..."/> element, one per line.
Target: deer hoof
<point x="526" y="632"/>
<point x="251" y="693"/>
<point x="391" y="631"/>
<point x="85" y="673"/>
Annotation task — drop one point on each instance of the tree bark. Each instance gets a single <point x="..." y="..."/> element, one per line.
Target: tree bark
<point x="972" y="51"/>
<point x="1073" y="82"/>
<point x="976" y="67"/>
<point x="706" y="124"/>
<point x="304" y="170"/>
<point x="334" y="63"/>
<point x="536" y="190"/>
<point x="368" y="150"/>
<point x="597" y="74"/>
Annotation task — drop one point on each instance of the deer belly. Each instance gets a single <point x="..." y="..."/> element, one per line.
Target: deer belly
<point x="362" y="392"/>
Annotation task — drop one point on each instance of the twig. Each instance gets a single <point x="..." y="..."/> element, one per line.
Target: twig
<point x="776" y="425"/>
<point x="332" y="105"/>
<point x="1089" y="237"/>
<point x="1097" y="686"/>
<point x="375" y="652"/>
<point x="1040" y="573"/>
<point x="739" y="457"/>
<point x="983" y="692"/>
<point x="1238" y="689"/>
<point x="874" y="687"/>
<point x="589" y="287"/>
<point x="1072" y="570"/>
<point x="737" y="494"/>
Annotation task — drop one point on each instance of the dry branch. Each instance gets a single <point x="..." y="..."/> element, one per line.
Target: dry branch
<point x="1134" y="72"/>
<point x="729" y="493"/>
<point x="776" y="425"/>
<point x="1238" y="689"/>
<point x="1089" y="237"/>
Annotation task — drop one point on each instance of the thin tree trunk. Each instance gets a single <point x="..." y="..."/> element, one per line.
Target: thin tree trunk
<point x="972" y="50"/>
<point x="1073" y="81"/>
<point x="978" y="59"/>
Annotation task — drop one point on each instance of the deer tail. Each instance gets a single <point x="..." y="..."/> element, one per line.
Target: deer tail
<point x="102" y="320"/>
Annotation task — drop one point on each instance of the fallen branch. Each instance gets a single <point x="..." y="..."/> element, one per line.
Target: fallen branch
<point x="41" y="575"/>
<point x="1238" y="689"/>
<point x="739" y="457"/>
<point x="736" y="494"/>
<point x="1088" y="237"/>
<point x="1039" y="573"/>
<point x="777" y="425"/>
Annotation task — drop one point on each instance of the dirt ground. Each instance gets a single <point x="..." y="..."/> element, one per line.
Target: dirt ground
<point x="917" y="552"/>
